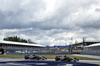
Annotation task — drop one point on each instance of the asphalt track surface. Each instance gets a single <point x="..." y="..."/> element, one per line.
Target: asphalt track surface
<point x="49" y="62"/>
<point x="90" y="56"/>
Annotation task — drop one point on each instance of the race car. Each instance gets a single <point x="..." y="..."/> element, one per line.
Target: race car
<point x="65" y="58"/>
<point x="34" y="57"/>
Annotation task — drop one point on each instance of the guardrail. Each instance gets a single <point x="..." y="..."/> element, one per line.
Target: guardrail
<point x="36" y="53"/>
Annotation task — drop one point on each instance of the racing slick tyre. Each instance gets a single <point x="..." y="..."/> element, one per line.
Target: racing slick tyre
<point x="56" y="59"/>
<point x="42" y="59"/>
<point x="38" y="59"/>
<point x="26" y="58"/>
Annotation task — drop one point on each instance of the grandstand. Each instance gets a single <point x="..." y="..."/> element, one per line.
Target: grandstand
<point x="86" y="43"/>
<point x="92" y="49"/>
<point x="18" y="48"/>
<point x="13" y="47"/>
<point x="79" y="47"/>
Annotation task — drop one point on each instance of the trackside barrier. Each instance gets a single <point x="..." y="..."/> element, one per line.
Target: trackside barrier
<point x="36" y="53"/>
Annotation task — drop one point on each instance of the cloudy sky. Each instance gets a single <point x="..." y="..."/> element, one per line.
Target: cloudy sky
<point x="50" y="22"/>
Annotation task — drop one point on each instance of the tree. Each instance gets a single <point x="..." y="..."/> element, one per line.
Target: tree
<point x="16" y="39"/>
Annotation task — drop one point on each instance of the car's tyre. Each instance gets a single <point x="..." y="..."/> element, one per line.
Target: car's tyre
<point x="26" y="58"/>
<point x="38" y="59"/>
<point x="69" y="60"/>
<point x="77" y="59"/>
<point x="56" y="59"/>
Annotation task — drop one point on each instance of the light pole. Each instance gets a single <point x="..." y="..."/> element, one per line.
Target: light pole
<point x="83" y="43"/>
<point x="71" y="45"/>
<point x="76" y="42"/>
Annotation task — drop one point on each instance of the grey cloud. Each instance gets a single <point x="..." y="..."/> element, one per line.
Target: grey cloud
<point x="27" y="15"/>
<point x="51" y="22"/>
<point x="97" y="9"/>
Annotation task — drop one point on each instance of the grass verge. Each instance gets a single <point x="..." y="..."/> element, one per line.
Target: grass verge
<point x="48" y="56"/>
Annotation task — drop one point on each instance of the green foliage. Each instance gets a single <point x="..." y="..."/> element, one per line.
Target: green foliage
<point x="15" y="39"/>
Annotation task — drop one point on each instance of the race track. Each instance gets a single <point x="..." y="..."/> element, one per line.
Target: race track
<point x="49" y="62"/>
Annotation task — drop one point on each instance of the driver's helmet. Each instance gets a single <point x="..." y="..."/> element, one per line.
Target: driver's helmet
<point x="33" y="55"/>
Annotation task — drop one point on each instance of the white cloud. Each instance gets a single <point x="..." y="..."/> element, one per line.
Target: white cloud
<point x="51" y="37"/>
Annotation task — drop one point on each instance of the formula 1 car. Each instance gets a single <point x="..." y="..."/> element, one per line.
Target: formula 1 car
<point x="34" y="57"/>
<point x="65" y="58"/>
